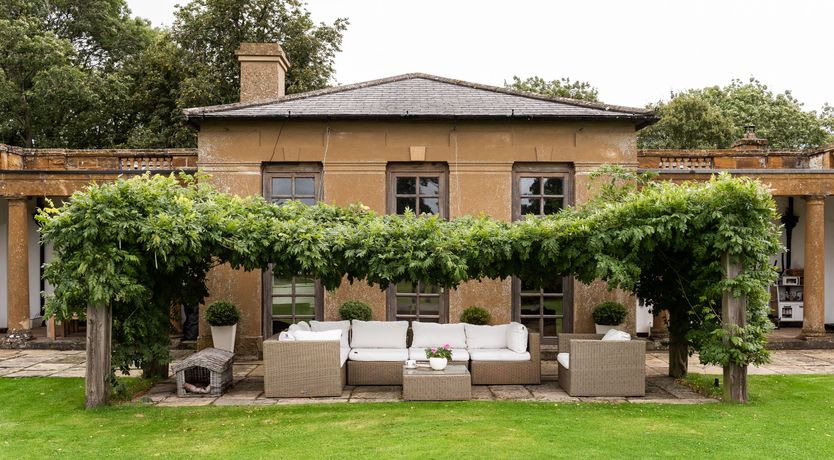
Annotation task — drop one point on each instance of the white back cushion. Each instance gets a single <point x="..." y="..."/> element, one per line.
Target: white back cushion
<point x="517" y="337"/>
<point x="378" y="334"/>
<point x="334" y="334"/>
<point x="486" y="336"/>
<point x="614" y="335"/>
<point x="437" y="335"/>
<point x="318" y="326"/>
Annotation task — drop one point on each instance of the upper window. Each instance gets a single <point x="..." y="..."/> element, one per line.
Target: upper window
<point x="421" y="189"/>
<point x="298" y="298"/>
<point x="541" y="190"/>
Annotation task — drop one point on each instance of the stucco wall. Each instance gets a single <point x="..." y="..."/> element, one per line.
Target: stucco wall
<point x="480" y="158"/>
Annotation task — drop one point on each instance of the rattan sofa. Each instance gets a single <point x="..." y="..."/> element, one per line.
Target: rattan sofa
<point x="511" y="372"/>
<point x="602" y="368"/>
<point x="302" y="369"/>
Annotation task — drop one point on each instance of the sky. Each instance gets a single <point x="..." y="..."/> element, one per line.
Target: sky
<point x="634" y="52"/>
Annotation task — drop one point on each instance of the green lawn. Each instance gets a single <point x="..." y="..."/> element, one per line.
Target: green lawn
<point x="789" y="417"/>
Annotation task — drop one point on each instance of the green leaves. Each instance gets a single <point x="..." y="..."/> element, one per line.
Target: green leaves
<point x="146" y="243"/>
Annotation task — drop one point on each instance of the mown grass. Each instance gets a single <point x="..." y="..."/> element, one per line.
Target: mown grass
<point x="788" y="417"/>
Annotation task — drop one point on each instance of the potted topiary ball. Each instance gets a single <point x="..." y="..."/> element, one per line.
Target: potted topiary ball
<point x="475" y="315"/>
<point x="609" y="315"/>
<point x="223" y="317"/>
<point x="355" y="309"/>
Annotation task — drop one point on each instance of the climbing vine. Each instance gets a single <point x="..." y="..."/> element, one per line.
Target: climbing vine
<point x="143" y="243"/>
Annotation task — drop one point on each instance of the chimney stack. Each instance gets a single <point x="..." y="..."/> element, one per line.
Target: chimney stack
<point x="263" y="71"/>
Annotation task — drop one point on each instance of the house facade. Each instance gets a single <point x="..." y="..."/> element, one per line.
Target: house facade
<point x="426" y="144"/>
<point x="429" y="144"/>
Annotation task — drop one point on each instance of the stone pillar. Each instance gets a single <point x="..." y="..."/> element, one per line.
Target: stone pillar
<point x="18" y="264"/>
<point x="814" y="292"/>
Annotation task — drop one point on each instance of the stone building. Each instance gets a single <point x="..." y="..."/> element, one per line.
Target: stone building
<point x="415" y="141"/>
<point x="419" y="142"/>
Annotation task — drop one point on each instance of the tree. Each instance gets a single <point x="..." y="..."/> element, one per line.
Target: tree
<point x="714" y="117"/>
<point x="194" y="64"/>
<point x="563" y="87"/>
<point x="60" y="67"/>
<point x="89" y="75"/>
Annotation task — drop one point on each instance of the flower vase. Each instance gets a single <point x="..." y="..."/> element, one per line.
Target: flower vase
<point x="438" y="364"/>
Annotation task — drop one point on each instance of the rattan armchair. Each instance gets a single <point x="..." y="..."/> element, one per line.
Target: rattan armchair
<point x="302" y="369"/>
<point x="602" y="368"/>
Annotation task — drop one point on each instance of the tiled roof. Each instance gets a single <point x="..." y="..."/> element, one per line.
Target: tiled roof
<point x="421" y="96"/>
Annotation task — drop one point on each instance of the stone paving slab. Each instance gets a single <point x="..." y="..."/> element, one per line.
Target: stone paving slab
<point x="248" y="379"/>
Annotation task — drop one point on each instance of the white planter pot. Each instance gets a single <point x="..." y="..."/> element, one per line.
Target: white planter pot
<point x="438" y="364"/>
<point x="224" y="337"/>
<point x="602" y="329"/>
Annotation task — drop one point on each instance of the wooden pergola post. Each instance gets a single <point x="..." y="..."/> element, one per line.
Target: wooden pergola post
<point x="99" y="327"/>
<point x="733" y="313"/>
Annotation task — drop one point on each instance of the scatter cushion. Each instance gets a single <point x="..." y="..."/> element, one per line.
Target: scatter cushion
<point x="614" y="335"/>
<point x="517" y="337"/>
<point x="486" y="336"/>
<point x="286" y="336"/>
<point x="343" y="355"/>
<point x="379" y="334"/>
<point x="334" y="334"/>
<point x="564" y="359"/>
<point x="300" y="326"/>
<point x="330" y="325"/>
<point x="436" y="335"/>
<point x="497" y="354"/>
<point x="419" y="354"/>
<point x="378" y="354"/>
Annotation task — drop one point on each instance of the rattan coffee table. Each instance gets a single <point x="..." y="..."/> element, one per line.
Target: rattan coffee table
<point x="424" y="384"/>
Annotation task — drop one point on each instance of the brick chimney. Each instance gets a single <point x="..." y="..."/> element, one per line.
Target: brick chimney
<point x="750" y="141"/>
<point x="263" y="71"/>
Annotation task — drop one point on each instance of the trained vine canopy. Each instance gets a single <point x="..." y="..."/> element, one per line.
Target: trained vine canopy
<point x="148" y="242"/>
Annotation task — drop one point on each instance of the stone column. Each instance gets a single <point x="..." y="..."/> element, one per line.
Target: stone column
<point x="18" y="264"/>
<point x="814" y="283"/>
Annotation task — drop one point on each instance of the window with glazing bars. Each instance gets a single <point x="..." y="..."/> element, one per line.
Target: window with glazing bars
<point x="298" y="298"/>
<point x="421" y="189"/>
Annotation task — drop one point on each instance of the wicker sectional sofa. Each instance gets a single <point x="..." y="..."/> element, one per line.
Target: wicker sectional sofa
<point x="377" y="350"/>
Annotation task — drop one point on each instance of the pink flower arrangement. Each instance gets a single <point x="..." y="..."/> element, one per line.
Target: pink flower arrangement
<point x="440" y="352"/>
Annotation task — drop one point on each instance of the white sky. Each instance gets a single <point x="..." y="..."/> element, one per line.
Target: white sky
<point x="634" y="52"/>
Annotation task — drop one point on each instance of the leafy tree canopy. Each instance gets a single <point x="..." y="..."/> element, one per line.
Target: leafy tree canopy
<point x="714" y="117"/>
<point x="89" y="75"/>
<point x="141" y="244"/>
<point x="562" y="87"/>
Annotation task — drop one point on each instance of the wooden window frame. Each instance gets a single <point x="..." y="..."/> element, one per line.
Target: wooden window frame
<point x="293" y="171"/>
<point x="394" y="171"/>
<point x="544" y="170"/>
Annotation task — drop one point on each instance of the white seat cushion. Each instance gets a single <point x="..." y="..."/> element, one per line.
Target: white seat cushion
<point x="564" y="359"/>
<point x="419" y="354"/>
<point x="489" y="337"/>
<point x="343" y="355"/>
<point x="517" y="337"/>
<point x="334" y="334"/>
<point x="427" y="335"/>
<point x="379" y="334"/>
<point x="378" y="354"/>
<point x="497" y="354"/>
<point x="318" y="326"/>
<point x="613" y="335"/>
